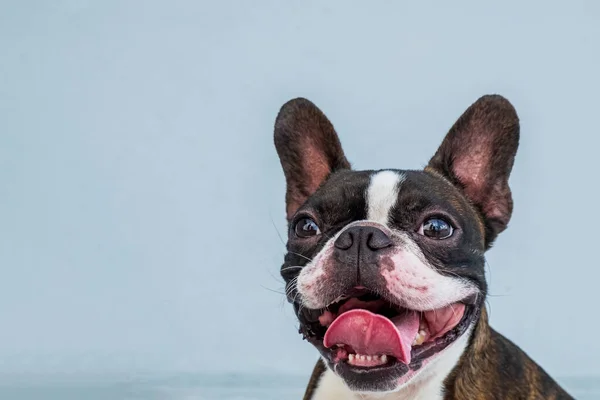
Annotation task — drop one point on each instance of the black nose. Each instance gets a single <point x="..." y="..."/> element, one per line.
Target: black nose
<point x="362" y="239"/>
<point x="357" y="254"/>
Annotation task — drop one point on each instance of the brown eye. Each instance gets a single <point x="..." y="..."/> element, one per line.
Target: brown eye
<point x="436" y="228"/>
<point x="306" y="227"/>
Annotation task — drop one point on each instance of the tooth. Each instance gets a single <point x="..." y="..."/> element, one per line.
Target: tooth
<point x="376" y="358"/>
<point x="350" y="357"/>
<point x="383" y="358"/>
<point x="362" y="358"/>
<point x="369" y="358"/>
<point x="420" y="338"/>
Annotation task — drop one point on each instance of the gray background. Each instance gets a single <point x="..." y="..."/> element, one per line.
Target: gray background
<point x="140" y="193"/>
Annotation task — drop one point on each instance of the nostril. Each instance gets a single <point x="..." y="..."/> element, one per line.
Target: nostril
<point x="344" y="241"/>
<point x="377" y="240"/>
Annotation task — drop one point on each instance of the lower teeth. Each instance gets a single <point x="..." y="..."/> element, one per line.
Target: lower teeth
<point x="360" y="357"/>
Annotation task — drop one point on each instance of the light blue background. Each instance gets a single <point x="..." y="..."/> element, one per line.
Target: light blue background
<point x="141" y="196"/>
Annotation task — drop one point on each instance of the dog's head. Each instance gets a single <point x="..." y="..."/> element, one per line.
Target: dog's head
<point x="385" y="268"/>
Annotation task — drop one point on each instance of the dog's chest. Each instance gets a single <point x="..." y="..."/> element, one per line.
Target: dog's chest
<point x="332" y="387"/>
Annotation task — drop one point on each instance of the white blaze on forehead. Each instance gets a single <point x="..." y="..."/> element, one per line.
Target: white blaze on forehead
<point x="382" y="195"/>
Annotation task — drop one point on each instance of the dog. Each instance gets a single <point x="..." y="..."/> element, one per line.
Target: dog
<point x="385" y="268"/>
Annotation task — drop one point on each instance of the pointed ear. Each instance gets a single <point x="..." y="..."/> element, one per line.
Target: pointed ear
<point x="477" y="156"/>
<point x="308" y="148"/>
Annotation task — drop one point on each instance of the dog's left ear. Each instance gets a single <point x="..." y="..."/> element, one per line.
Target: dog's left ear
<point x="477" y="156"/>
<point x="309" y="150"/>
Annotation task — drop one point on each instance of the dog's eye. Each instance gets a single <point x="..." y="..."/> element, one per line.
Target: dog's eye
<point x="306" y="227"/>
<point x="436" y="228"/>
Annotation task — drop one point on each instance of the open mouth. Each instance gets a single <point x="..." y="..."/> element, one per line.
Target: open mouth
<point x="362" y="332"/>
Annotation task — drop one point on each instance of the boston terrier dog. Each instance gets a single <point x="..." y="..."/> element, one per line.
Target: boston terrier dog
<point x="385" y="268"/>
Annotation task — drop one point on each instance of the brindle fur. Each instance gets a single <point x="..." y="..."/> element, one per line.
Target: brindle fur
<point x="318" y="370"/>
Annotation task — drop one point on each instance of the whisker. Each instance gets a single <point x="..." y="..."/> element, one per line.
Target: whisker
<point x="276" y="230"/>
<point x="453" y="311"/>
<point x="300" y="305"/>
<point x="272" y="290"/>
<point x="434" y="310"/>
<point x="291" y="286"/>
<point x="301" y="255"/>
<point x="327" y="236"/>
<point x="453" y="273"/>
<point x="291" y="267"/>
<point x="431" y="308"/>
<point x="489" y="268"/>
<point x="489" y="308"/>
<point x="277" y="279"/>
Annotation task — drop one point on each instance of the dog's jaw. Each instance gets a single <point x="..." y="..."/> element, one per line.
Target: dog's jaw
<point x="426" y="384"/>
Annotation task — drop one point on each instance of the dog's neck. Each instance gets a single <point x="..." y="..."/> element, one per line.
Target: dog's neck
<point x="428" y="385"/>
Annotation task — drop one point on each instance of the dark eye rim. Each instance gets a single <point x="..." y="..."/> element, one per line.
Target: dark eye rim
<point x="444" y="217"/>
<point x="299" y="217"/>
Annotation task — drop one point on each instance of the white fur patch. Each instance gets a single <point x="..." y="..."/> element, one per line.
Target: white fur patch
<point x="416" y="284"/>
<point x="382" y="195"/>
<point x="310" y="282"/>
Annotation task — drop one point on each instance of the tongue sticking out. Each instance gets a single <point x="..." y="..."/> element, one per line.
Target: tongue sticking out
<point x="373" y="334"/>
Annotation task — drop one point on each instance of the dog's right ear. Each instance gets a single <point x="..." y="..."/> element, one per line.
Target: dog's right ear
<point x="477" y="156"/>
<point x="308" y="148"/>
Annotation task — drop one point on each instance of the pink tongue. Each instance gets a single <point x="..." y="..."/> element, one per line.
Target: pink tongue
<point x="373" y="334"/>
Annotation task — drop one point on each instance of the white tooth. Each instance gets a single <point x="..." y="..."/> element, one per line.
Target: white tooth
<point x="383" y="358"/>
<point x="376" y="358"/>
<point x="362" y="358"/>
<point x="350" y="357"/>
<point x="369" y="358"/>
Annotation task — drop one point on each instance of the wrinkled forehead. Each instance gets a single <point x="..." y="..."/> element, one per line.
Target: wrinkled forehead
<point x="391" y="197"/>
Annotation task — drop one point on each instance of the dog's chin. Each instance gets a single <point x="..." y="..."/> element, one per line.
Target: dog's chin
<point x="382" y="369"/>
